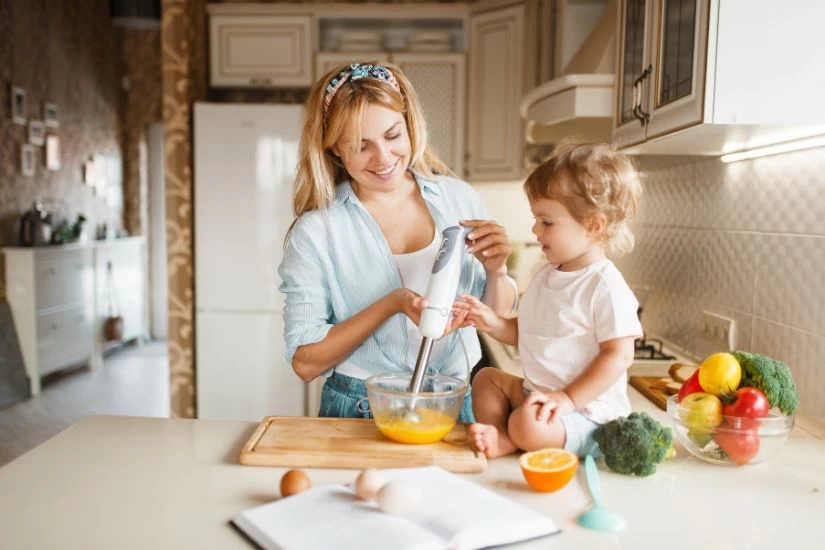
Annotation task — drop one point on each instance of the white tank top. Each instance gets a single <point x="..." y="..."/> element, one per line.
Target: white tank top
<point x="415" y="269"/>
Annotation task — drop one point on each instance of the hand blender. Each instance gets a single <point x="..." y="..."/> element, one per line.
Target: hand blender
<point x="441" y="291"/>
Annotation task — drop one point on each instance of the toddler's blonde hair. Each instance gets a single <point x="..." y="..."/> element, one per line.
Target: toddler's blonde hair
<point x="591" y="179"/>
<point x="319" y="169"/>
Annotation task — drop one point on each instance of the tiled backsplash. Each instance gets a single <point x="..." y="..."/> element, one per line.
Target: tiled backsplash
<point x="745" y="240"/>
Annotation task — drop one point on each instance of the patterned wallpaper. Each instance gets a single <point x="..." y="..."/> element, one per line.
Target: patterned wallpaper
<point x="66" y="53"/>
<point x="745" y="240"/>
<point x="183" y="69"/>
<point x="141" y="106"/>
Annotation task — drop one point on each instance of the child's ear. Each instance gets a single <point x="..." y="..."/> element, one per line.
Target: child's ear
<point x="597" y="224"/>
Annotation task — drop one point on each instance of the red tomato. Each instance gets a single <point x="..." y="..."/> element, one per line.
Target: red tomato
<point x="747" y="404"/>
<point x="690" y="386"/>
<point x="741" y="445"/>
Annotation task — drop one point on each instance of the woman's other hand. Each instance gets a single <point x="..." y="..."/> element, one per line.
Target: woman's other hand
<point x="489" y="242"/>
<point x="409" y="303"/>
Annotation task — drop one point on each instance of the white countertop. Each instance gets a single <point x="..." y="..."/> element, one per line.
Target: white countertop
<point x="127" y="482"/>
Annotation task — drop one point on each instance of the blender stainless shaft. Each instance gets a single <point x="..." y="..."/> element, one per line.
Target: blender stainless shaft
<point x="421" y="365"/>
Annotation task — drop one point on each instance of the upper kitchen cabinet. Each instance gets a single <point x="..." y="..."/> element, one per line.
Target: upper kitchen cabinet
<point x="709" y="77"/>
<point x="254" y="50"/>
<point x="495" y="135"/>
<point x="439" y="81"/>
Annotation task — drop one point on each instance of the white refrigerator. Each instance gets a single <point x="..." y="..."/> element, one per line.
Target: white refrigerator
<point x="245" y="163"/>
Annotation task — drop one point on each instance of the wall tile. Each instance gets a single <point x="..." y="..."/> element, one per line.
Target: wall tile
<point x="723" y="268"/>
<point x="727" y="196"/>
<point x="804" y="353"/>
<point x="792" y="186"/>
<point x="789" y="276"/>
<point x="667" y="195"/>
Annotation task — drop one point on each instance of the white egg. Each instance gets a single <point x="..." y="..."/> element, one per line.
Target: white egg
<point x="399" y="498"/>
<point x="368" y="483"/>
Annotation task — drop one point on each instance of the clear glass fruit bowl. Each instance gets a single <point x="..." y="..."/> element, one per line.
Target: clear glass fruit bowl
<point x="734" y="440"/>
<point x="423" y="417"/>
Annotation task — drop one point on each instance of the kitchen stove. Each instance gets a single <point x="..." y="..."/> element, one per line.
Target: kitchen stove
<point x="650" y="349"/>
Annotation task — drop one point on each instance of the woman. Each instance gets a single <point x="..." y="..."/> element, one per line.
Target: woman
<point x="371" y="201"/>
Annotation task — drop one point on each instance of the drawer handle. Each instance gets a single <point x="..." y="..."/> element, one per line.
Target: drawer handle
<point x="260" y="81"/>
<point x="54" y="325"/>
<point x="52" y="271"/>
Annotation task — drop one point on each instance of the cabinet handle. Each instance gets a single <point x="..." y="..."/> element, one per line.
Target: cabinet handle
<point x="636" y="100"/>
<point x="260" y="81"/>
<point x="52" y="271"/>
<point x="54" y="325"/>
<point x="645" y="116"/>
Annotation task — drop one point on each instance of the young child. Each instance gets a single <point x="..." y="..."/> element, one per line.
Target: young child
<point x="577" y="321"/>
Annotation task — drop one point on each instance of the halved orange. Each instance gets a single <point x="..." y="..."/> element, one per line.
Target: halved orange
<point x="548" y="470"/>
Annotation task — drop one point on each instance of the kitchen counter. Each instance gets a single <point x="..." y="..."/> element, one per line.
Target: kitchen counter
<point x="127" y="482"/>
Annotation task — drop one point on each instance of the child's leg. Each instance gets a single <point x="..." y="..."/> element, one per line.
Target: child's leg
<point x="530" y="434"/>
<point x="495" y="395"/>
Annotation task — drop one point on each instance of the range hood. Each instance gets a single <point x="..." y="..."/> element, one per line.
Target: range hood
<point x="580" y="102"/>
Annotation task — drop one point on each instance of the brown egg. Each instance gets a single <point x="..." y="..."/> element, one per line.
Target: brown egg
<point x="294" y="482"/>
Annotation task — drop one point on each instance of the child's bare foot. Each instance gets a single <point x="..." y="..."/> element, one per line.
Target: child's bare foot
<point x="491" y="441"/>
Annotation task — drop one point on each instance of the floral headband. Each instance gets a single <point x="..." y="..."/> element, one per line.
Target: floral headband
<point x="354" y="72"/>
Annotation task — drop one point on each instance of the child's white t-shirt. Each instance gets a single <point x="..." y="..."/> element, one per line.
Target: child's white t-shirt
<point x="563" y="316"/>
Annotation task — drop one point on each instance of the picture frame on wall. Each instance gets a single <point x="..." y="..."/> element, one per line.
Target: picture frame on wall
<point x="18" y="105"/>
<point x="100" y="183"/>
<point x="27" y="159"/>
<point x="50" y="118"/>
<point x="37" y="132"/>
<point x="52" y="152"/>
<point x="89" y="173"/>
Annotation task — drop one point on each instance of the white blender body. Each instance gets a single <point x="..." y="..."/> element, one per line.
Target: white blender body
<point x="441" y="292"/>
<point x="443" y="284"/>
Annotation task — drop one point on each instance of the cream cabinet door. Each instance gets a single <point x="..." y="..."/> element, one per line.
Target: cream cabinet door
<point x="495" y="131"/>
<point x="679" y="58"/>
<point x="260" y="51"/>
<point x="439" y="83"/>
<point x="326" y="61"/>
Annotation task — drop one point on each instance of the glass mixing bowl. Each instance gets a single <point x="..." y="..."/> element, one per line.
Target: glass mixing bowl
<point x="735" y="440"/>
<point x="423" y="417"/>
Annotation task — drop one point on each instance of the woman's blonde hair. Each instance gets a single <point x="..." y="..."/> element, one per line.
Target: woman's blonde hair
<point x="319" y="169"/>
<point x="591" y="179"/>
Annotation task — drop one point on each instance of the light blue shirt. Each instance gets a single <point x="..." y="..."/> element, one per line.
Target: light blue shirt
<point x="337" y="262"/>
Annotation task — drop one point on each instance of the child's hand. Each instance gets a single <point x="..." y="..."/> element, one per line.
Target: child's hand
<point x="552" y="404"/>
<point x="476" y="313"/>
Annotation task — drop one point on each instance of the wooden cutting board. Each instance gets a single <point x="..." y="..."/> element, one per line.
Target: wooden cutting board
<point x="645" y="385"/>
<point x="303" y="442"/>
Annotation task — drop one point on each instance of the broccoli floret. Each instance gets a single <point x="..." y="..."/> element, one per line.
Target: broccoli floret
<point x="634" y="444"/>
<point x="772" y="377"/>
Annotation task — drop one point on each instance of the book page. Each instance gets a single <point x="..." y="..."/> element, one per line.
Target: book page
<point x="331" y="517"/>
<point x="468" y="515"/>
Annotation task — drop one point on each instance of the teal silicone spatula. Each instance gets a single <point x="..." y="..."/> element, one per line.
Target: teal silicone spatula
<point x="598" y="517"/>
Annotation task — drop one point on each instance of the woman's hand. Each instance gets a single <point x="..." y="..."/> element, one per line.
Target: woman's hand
<point x="552" y="404"/>
<point x="489" y="242"/>
<point x="409" y="303"/>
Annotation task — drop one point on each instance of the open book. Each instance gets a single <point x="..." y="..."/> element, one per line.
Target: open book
<point x="455" y="513"/>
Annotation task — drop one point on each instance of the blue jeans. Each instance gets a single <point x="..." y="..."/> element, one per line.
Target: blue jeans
<point x="346" y="397"/>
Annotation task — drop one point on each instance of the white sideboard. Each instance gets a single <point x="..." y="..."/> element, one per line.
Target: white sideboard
<point x="60" y="298"/>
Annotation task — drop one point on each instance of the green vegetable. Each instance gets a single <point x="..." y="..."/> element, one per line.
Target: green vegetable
<point x="772" y="377"/>
<point x="634" y="444"/>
